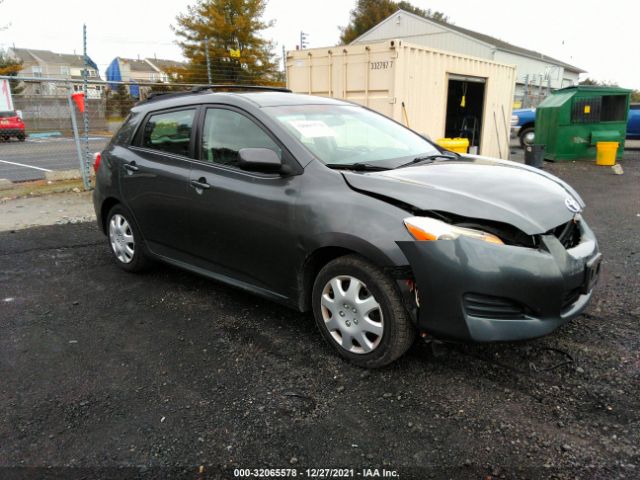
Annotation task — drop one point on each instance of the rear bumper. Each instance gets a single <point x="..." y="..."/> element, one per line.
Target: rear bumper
<point x="11" y="132"/>
<point x="474" y="291"/>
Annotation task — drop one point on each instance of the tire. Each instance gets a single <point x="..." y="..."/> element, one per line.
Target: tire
<point x="371" y="338"/>
<point x="21" y="138"/>
<point x="125" y="241"/>
<point x="527" y="136"/>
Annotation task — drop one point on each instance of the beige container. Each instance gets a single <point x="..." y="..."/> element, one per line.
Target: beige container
<point x="410" y="84"/>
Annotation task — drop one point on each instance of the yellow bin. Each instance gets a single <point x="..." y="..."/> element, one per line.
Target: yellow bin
<point x="606" y="153"/>
<point x="458" y="145"/>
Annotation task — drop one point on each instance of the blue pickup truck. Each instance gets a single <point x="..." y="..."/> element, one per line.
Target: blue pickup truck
<point x="523" y="124"/>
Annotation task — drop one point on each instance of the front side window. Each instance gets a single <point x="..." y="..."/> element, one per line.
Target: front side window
<point x="169" y="132"/>
<point x="227" y="132"/>
<point x="344" y="135"/>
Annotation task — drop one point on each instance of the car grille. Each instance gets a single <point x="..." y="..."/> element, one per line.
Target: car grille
<point x="568" y="234"/>
<point x="485" y="306"/>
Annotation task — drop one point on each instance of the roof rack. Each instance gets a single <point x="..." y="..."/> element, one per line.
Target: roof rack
<point x="261" y="88"/>
<point x="202" y="88"/>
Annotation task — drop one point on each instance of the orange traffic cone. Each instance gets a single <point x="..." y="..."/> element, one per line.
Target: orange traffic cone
<point x="78" y="98"/>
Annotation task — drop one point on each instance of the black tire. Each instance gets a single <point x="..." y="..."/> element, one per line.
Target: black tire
<point x="523" y="134"/>
<point x="21" y="138"/>
<point x="140" y="260"/>
<point x="398" y="332"/>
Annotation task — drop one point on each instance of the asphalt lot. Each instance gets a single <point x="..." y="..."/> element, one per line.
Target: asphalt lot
<point x="29" y="160"/>
<point x="155" y="375"/>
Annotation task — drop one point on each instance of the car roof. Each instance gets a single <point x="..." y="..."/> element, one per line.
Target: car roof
<point x="256" y="99"/>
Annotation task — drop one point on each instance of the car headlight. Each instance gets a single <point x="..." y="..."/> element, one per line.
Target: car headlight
<point x="515" y="120"/>
<point x="425" y="228"/>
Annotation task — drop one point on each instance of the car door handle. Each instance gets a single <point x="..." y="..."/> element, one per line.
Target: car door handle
<point x="132" y="167"/>
<point x="200" y="184"/>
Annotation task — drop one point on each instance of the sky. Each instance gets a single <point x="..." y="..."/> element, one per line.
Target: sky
<point x="598" y="37"/>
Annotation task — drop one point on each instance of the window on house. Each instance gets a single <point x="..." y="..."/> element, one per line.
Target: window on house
<point x="36" y="71"/>
<point x="64" y="70"/>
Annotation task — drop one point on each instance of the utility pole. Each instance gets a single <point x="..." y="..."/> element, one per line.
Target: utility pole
<point x="284" y="64"/>
<point x="206" y="54"/>
<point x="85" y="114"/>
<point x="304" y="37"/>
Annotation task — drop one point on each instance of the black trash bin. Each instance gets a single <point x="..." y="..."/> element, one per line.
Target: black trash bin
<point x="534" y="155"/>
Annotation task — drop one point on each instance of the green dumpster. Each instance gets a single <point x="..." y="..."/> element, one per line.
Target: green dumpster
<point x="571" y="121"/>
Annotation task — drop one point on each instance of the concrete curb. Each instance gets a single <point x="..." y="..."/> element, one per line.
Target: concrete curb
<point x="5" y="184"/>
<point x="57" y="175"/>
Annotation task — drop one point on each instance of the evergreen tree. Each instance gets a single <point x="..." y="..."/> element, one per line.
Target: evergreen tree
<point x="119" y="102"/>
<point x="237" y="52"/>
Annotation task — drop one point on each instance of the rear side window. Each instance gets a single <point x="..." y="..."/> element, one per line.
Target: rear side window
<point x="127" y="129"/>
<point x="226" y="132"/>
<point x="169" y="132"/>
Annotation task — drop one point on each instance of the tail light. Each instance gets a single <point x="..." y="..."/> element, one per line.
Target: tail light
<point x="97" y="157"/>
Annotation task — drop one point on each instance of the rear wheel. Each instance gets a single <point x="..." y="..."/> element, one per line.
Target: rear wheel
<point x="527" y="137"/>
<point x="125" y="240"/>
<point x="359" y="312"/>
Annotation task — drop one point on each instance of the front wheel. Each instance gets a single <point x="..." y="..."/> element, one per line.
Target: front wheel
<point x="359" y="312"/>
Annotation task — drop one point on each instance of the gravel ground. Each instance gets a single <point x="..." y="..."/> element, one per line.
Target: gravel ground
<point x="105" y="374"/>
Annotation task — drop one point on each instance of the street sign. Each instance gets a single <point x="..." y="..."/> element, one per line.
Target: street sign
<point x="6" y="102"/>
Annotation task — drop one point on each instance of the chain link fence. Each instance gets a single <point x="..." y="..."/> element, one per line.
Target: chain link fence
<point x="37" y="137"/>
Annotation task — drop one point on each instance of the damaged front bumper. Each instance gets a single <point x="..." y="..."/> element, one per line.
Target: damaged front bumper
<point x="470" y="290"/>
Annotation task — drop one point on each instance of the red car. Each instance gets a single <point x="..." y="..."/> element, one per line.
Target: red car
<point x="11" y="125"/>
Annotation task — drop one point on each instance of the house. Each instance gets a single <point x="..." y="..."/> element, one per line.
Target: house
<point x="536" y="73"/>
<point x="140" y="73"/>
<point x="57" y="70"/>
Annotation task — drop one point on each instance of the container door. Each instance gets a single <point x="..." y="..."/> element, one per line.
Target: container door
<point x="465" y="109"/>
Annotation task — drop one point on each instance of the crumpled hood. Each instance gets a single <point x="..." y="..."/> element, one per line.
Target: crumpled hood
<point x="477" y="187"/>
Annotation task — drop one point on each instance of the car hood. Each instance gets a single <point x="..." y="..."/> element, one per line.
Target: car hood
<point x="477" y="187"/>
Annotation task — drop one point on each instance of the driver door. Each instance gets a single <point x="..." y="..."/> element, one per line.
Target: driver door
<point x="241" y="222"/>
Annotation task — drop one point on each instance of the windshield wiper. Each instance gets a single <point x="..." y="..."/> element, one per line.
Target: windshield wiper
<point x="430" y="158"/>
<point x="357" y="167"/>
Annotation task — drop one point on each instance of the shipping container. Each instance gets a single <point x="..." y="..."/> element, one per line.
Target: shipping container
<point x="436" y="93"/>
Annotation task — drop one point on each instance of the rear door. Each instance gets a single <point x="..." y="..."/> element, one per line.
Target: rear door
<point x="241" y="222"/>
<point x="154" y="178"/>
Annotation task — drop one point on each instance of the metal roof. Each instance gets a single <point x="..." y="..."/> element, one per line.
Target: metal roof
<point x="487" y="39"/>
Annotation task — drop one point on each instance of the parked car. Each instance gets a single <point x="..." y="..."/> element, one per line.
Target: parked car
<point x="11" y="125"/>
<point x="633" y="124"/>
<point x="324" y="205"/>
<point x="523" y="124"/>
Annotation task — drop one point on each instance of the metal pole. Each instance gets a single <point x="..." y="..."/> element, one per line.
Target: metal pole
<point x="206" y="54"/>
<point x="85" y="114"/>
<point x="76" y="136"/>
<point x="284" y="64"/>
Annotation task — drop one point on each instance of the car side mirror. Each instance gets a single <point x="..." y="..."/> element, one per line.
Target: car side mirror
<point x="259" y="160"/>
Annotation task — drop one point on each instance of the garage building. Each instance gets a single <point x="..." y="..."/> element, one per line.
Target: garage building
<point x="536" y="73"/>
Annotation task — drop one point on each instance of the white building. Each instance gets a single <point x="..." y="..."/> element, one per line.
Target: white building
<point x="535" y="72"/>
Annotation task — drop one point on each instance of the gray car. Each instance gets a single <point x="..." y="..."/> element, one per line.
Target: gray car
<point x="326" y="206"/>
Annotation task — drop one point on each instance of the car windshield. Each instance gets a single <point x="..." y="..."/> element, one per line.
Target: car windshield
<point x="7" y="114"/>
<point x="347" y="135"/>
